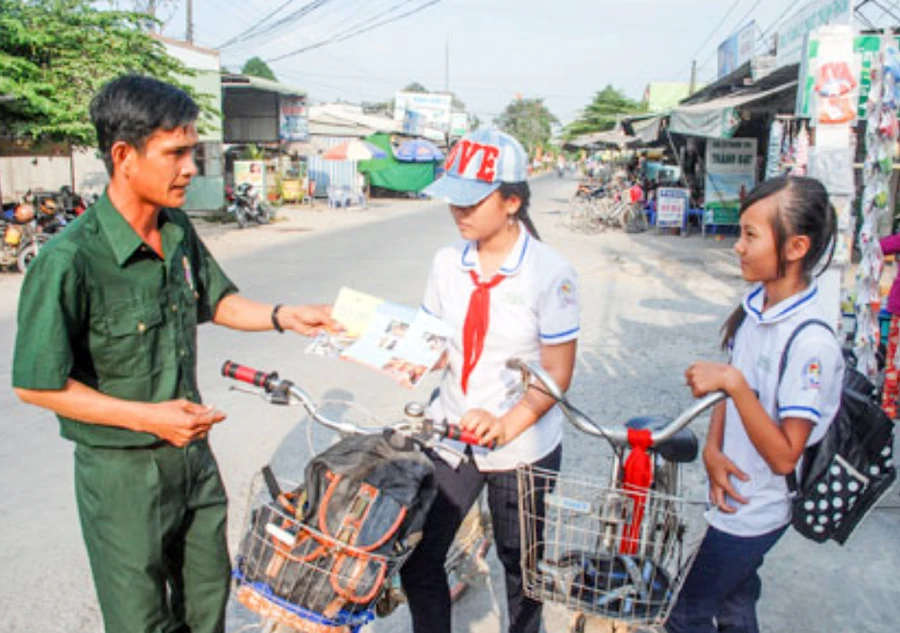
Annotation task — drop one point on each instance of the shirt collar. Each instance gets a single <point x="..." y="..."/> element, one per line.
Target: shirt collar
<point x="123" y="239"/>
<point x="753" y="304"/>
<point x="469" y="258"/>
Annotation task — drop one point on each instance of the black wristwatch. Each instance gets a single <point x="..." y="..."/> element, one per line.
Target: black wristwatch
<point x="275" y="322"/>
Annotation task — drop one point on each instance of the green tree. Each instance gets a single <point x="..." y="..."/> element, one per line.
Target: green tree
<point x="258" y="68"/>
<point x="528" y="120"/>
<point x="55" y="55"/>
<point x="602" y="113"/>
<point x="416" y="87"/>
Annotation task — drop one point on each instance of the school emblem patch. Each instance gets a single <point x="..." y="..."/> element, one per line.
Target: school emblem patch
<point x="566" y="293"/>
<point x="812" y="374"/>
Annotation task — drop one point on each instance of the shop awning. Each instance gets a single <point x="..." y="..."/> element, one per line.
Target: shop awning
<point x="718" y="118"/>
<point x="612" y="138"/>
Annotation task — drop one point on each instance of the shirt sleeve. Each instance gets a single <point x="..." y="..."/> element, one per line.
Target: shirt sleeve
<point x="214" y="285"/>
<point x="811" y="384"/>
<point x="431" y="303"/>
<point x="52" y="313"/>
<point x="558" y="316"/>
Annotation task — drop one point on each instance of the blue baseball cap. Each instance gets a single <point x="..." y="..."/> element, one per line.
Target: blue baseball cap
<point x="477" y="165"/>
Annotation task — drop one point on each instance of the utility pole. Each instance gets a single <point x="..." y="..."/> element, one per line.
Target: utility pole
<point x="693" y="76"/>
<point x="189" y="31"/>
<point x="447" y="64"/>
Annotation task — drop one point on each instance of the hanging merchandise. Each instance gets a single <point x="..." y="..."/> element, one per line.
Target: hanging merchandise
<point x="773" y="155"/>
<point x="801" y="152"/>
<point x="881" y="141"/>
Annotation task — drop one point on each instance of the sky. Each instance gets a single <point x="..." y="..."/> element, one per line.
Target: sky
<point x="562" y="51"/>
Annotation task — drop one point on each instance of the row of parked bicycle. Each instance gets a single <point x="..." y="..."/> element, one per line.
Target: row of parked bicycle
<point x="28" y="224"/>
<point x="596" y="206"/>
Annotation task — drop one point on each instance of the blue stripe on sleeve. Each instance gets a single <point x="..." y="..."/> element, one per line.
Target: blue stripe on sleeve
<point x="800" y="409"/>
<point x="560" y="334"/>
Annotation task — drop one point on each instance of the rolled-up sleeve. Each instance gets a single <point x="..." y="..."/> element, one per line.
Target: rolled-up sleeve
<point x="52" y="313"/>
<point x="214" y="283"/>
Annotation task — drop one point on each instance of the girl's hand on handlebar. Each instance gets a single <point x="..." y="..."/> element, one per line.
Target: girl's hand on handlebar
<point x="308" y="320"/>
<point x="720" y="469"/>
<point x="487" y="426"/>
<point x="704" y="377"/>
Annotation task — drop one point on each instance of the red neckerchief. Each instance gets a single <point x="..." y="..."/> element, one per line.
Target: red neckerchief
<point x="638" y="477"/>
<point x="476" y="325"/>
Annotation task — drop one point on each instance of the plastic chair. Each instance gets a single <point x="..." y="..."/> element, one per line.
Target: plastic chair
<point x="335" y="197"/>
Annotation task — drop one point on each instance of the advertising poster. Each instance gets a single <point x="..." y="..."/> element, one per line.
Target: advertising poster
<point x="434" y="108"/>
<point x="737" y="49"/>
<point x="730" y="175"/>
<point x="293" y="122"/>
<point x="250" y="171"/>
<point x="671" y="207"/>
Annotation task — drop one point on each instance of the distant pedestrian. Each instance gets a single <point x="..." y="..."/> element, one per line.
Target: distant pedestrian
<point x="107" y="339"/>
<point x="757" y="436"/>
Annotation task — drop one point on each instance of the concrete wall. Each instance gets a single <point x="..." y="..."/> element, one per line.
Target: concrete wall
<point x="19" y="174"/>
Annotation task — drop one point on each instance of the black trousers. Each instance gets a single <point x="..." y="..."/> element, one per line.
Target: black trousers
<point x="423" y="577"/>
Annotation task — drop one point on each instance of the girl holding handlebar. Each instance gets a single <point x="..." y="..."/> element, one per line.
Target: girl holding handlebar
<point x="505" y="294"/>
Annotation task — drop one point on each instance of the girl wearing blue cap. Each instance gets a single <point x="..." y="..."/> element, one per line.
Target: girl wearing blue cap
<point x="506" y="294"/>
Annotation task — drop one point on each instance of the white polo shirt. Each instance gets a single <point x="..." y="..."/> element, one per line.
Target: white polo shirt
<point x="536" y="304"/>
<point x="810" y="389"/>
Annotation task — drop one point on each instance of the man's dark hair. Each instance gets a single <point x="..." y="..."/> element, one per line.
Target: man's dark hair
<point x="133" y="107"/>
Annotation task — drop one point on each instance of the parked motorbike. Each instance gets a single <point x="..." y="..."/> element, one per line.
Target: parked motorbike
<point x="246" y="205"/>
<point x="23" y="237"/>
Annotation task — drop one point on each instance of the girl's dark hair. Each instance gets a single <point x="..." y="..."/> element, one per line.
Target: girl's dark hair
<point x="802" y="208"/>
<point x="522" y="191"/>
<point x="133" y="107"/>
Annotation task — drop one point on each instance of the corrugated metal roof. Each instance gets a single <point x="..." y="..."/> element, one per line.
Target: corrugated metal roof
<point x="248" y="82"/>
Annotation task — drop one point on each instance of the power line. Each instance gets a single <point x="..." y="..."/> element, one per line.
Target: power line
<point x="709" y="37"/>
<point x="739" y="22"/>
<point x="257" y="29"/>
<point x="340" y="37"/>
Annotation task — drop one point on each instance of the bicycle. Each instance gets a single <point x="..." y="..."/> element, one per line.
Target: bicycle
<point x="611" y="549"/>
<point x="267" y="516"/>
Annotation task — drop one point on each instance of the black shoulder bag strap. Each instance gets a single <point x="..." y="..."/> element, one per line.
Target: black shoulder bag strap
<point x="791" y="478"/>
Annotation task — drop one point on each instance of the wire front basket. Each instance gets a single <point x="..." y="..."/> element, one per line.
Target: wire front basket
<point x="601" y="550"/>
<point x="288" y="572"/>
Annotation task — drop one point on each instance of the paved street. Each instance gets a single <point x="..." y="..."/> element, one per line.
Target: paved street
<point x="651" y="304"/>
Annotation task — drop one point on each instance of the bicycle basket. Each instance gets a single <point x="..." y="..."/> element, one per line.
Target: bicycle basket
<point x="287" y="571"/>
<point x="600" y="550"/>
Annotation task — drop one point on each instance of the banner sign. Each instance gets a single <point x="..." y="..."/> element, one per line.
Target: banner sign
<point x="730" y="175"/>
<point x="293" y="121"/>
<point x="793" y="33"/>
<point x="250" y="171"/>
<point x="737" y="49"/>
<point x="459" y="124"/>
<point x="434" y="108"/>
<point x="671" y="207"/>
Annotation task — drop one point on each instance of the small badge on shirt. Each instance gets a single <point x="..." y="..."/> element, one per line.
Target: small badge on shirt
<point x="812" y="374"/>
<point x="566" y="293"/>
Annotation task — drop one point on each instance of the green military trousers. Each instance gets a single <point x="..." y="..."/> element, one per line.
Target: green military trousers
<point x="153" y="520"/>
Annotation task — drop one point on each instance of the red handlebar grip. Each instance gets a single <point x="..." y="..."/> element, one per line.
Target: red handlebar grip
<point x="456" y="432"/>
<point x="244" y="374"/>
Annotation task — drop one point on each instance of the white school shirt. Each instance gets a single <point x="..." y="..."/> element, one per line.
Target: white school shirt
<point x="810" y="389"/>
<point x="537" y="303"/>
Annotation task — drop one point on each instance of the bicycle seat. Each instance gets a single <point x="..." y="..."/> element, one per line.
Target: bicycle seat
<point x="681" y="448"/>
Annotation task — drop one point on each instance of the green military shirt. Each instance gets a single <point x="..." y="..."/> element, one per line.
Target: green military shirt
<point x="101" y="307"/>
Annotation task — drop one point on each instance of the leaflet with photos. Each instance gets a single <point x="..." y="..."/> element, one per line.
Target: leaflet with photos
<point x="401" y="341"/>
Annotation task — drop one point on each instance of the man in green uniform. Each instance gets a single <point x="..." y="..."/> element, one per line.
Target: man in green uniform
<point x="107" y="329"/>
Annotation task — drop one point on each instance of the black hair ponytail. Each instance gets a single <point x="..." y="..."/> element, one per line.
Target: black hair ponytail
<point x="522" y="191"/>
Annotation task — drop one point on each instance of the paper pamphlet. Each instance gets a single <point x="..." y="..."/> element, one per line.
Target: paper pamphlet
<point x="399" y="340"/>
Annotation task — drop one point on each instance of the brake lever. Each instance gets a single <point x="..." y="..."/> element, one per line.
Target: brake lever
<point x="253" y="392"/>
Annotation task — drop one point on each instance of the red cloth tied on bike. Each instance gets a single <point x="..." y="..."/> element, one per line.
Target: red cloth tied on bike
<point x="475" y="327"/>
<point x="638" y="477"/>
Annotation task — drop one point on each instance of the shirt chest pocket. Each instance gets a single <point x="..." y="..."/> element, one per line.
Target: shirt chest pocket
<point x="133" y="340"/>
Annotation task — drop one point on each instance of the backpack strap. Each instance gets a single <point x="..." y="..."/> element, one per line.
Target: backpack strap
<point x="791" y="478"/>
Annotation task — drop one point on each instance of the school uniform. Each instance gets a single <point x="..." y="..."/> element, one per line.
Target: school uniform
<point x="534" y="304"/>
<point x="723" y="582"/>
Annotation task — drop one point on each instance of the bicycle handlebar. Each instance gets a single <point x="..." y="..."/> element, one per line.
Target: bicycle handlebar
<point x="616" y="435"/>
<point x="272" y="384"/>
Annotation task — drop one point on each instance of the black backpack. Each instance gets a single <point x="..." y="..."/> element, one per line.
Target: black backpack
<point x="842" y="476"/>
<point x="329" y="546"/>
